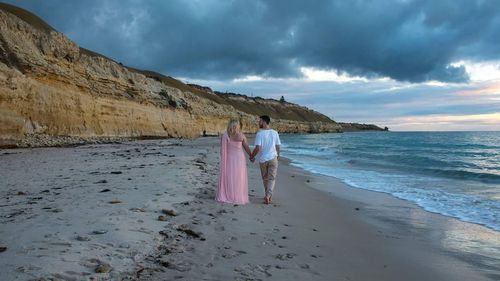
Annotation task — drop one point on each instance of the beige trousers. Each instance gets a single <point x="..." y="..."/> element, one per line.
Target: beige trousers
<point x="268" y="170"/>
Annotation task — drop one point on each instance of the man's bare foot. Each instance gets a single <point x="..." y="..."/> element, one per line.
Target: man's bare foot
<point x="267" y="200"/>
<point x="270" y="200"/>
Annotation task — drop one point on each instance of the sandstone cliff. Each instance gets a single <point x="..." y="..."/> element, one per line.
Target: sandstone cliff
<point x="51" y="87"/>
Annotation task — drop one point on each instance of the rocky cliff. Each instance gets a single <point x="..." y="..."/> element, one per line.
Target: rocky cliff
<point x="52" y="88"/>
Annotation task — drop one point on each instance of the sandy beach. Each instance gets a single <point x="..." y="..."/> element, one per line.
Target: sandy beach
<point x="144" y="210"/>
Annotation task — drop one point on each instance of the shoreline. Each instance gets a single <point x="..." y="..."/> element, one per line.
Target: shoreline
<point x="306" y="234"/>
<point x="410" y="202"/>
<point x="473" y="243"/>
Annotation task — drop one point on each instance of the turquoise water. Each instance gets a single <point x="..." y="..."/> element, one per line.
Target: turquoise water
<point x="456" y="174"/>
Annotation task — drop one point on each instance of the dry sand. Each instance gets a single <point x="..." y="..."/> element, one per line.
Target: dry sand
<point x="69" y="212"/>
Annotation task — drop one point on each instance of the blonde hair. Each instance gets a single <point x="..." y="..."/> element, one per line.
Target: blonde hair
<point x="232" y="127"/>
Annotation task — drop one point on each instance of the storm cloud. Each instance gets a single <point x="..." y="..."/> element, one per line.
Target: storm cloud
<point x="411" y="41"/>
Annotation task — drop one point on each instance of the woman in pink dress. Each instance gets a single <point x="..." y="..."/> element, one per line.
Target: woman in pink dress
<point x="233" y="177"/>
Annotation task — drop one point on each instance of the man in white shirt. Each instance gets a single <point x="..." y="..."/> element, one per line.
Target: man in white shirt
<point x="268" y="144"/>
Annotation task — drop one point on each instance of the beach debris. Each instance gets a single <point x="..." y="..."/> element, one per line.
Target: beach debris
<point x="3" y="248"/>
<point x="179" y="265"/>
<point x="103" y="268"/>
<point x="115" y="202"/>
<point x="162" y="218"/>
<point x="169" y="212"/>
<point x="105" y="190"/>
<point x="164" y="233"/>
<point x="186" y="229"/>
<point x="83" y="238"/>
<point x="100" y="231"/>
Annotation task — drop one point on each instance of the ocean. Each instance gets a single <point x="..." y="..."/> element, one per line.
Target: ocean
<point x="455" y="174"/>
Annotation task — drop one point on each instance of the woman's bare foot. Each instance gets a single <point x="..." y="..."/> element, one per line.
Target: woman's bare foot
<point x="267" y="199"/>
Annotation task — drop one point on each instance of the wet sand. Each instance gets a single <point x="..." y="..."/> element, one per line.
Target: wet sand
<point x="144" y="210"/>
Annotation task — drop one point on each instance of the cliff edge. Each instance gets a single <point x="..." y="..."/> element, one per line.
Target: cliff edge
<point x="51" y="88"/>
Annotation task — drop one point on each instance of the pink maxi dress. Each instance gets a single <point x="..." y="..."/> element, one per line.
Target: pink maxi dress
<point x="233" y="177"/>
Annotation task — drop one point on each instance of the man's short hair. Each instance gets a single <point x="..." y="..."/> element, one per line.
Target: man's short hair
<point x="266" y="119"/>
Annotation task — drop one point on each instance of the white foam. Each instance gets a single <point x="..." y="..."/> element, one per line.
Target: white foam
<point x="424" y="191"/>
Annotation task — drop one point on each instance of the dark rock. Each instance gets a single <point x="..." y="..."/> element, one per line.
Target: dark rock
<point x="105" y="190"/>
<point x="116" y="172"/>
<point x="21" y="193"/>
<point x="115" y="202"/>
<point x="3" y="248"/>
<point x="162" y="218"/>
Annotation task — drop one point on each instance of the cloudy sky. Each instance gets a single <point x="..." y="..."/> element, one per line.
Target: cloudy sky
<point x="408" y="65"/>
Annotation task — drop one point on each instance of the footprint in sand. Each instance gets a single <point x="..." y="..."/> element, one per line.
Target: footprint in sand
<point x="285" y="257"/>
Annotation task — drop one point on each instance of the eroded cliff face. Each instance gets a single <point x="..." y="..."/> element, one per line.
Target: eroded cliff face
<point x="49" y="86"/>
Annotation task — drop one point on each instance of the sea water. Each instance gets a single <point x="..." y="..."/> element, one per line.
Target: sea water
<point x="456" y="174"/>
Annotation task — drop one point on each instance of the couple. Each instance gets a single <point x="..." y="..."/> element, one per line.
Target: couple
<point x="233" y="178"/>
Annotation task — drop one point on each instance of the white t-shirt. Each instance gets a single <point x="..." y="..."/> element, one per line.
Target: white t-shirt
<point x="267" y="140"/>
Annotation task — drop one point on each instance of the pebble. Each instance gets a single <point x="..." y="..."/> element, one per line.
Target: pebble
<point x="116" y="172"/>
<point x="103" y="268"/>
<point x="115" y="202"/>
<point x="3" y="248"/>
<point x="105" y="190"/>
<point x="83" y="238"/>
<point x="162" y="218"/>
<point x="169" y="212"/>
<point x="102" y="231"/>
